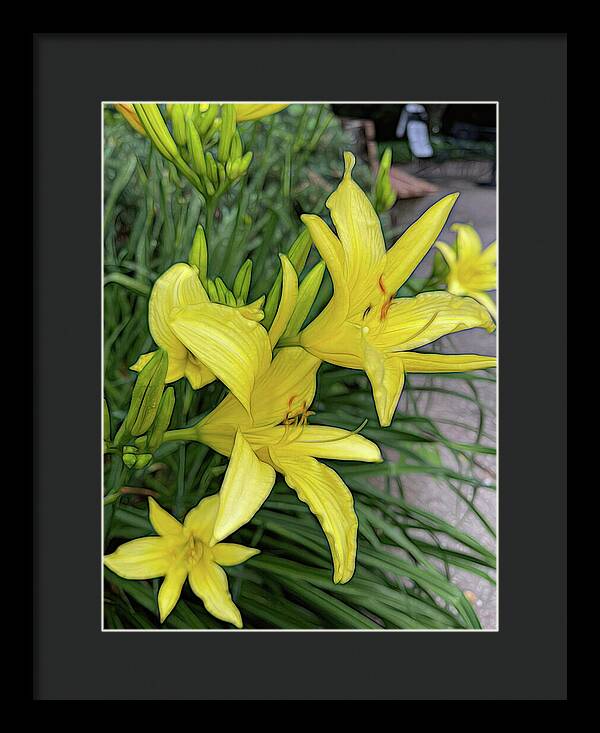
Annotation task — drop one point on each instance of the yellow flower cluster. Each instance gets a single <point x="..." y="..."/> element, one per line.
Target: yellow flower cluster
<point x="262" y="424"/>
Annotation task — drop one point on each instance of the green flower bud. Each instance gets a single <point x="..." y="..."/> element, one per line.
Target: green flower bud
<point x="146" y="395"/>
<point x="157" y="130"/>
<point x="142" y="460"/>
<point x="194" y="145"/>
<point x="199" y="254"/>
<point x="307" y="293"/>
<point x="227" y="132"/>
<point x="241" y="284"/>
<point x="129" y="459"/>
<point x="297" y="255"/>
<point x="162" y="420"/>
<point x="179" y="124"/>
<point x="385" y="196"/>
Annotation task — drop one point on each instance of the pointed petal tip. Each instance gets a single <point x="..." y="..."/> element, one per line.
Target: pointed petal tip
<point x="349" y="163"/>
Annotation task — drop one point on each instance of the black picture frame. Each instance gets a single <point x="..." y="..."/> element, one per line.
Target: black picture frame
<point x="526" y="658"/>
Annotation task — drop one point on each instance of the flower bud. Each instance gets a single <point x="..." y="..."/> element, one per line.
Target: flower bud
<point x="199" y="254"/>
<point x="146" y="395"/>
<point x="307" y="293"/>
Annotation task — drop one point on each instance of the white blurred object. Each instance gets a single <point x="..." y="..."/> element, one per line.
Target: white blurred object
<point x="414" y="122"/>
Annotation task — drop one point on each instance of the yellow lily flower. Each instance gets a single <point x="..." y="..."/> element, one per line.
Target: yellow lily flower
<point x="129" y="113"/>
<point x="205" y="340"/>
<point x="275" y="436"/>
<point x="244" y="112"/>
<point x="472" y="270"/>
<point x="364" y="326"/>
<point x="184" y="551"/>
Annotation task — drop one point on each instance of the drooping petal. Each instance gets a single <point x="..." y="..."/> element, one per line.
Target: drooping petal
<point x="178" y="286"/>
<point x="386" y="374"/>
<point x="320" y="441"/>
<point x="227" y="553"/>
<point x="170" y="589"/>
<point x="147" y="557"/>
<point x="247" y="483"/>
<point x="201" y="519"/>
<point x="177" y="367"/>
<point x="414" y="322"/>
<point x="359" y="230"/>
<point x="287" y="302"/>
<point x="244" y="112"/>
<point x="468" y="243"/>
<point x="209" y="583"/>
<point x="164" y="523"/>
<point x="235" y="349"/>
<point x="414" y="244"/>
<point x="287" y="386"/>
<point x="330" y="500"/>
<point x="486" y="302"/>
<point x="415" y="362"/>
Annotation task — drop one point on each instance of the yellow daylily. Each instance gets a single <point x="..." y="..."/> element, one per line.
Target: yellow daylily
<point x="472" y="269"/>
<point x="244" y="112"/>
<point x="129" y="113"/>
<point x="364" y="326"/>
<point x="277" y="438"/>
<point x="180" y="552"/>
<point x="205" y="340"/>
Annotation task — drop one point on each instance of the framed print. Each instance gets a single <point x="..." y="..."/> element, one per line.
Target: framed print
<point x="274" y="345"/>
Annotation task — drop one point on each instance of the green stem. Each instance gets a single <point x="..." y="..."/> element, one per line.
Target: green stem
<point x="180" y="434"/>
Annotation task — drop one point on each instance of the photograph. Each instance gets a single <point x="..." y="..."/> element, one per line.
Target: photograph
<point x="300" y="318"/>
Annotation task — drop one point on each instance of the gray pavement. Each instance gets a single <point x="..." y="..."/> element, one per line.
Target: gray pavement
<point x="476" y="205"/>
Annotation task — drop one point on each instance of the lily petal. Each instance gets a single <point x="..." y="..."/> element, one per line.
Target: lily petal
<point x="170" y="589"/>
<point x="359" y="230"/>
<point x="288" y="384"/>
<point x="234" y="348"/>
<point x="445" y="363"/>
<point x="209" y="583"/>
<point x="414" y="244"/>
<point x="147" y="557"/>
<point x="320" y="441"/>
<point x="247" y="483"/>
<point x="331" y="250"/>
<point x="244" y="112"/>
<point x="489" y="254"/>
<point x="386" y="374"/>
<point x="447" y="252"/>
<point x="177" y="366"/>
<point x="468" y="243"/>
<point x="330" y="500"/>
<point x="486" y="302"/>
<point x="287" y="302"/>
<point x="227" y="553"/>
<point x="201" y="519"/>
<point x="164" y="523"/>
<point x="178" y="286"/>
<point x="197" y="375"/>
<point x="414" y="322"/>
